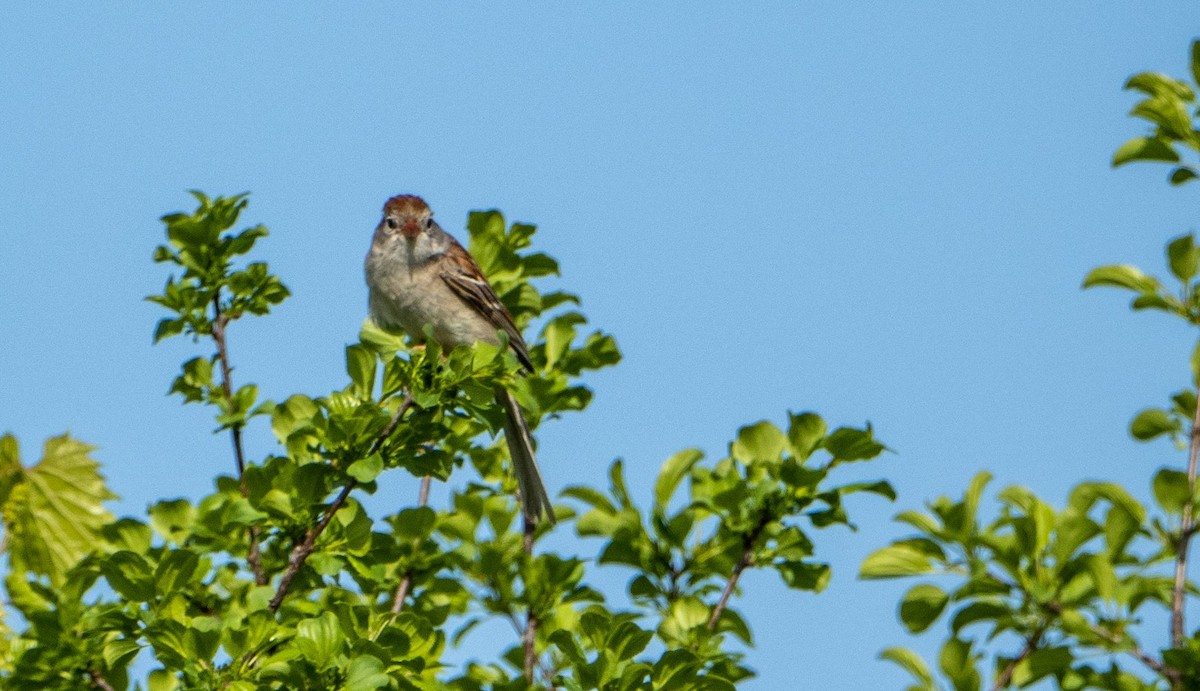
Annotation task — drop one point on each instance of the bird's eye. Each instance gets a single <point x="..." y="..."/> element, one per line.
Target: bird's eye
<point x="429" y="222"/>
<point x="391" y="223"/>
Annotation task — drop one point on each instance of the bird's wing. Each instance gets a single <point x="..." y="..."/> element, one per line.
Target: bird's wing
<point x="467" y="281"/>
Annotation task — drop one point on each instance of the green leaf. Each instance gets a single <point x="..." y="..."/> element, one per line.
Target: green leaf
<point x="760" y="442"/>
<point x="1195" y="368"/>
<point x="162" y="680"/>
<point x="921" y="606"/>
<point x="1042" y="663"/>
<point x="168" y="327"/>
<point x="1151" y="423"/>
<point x="895" y="561"/>
<point x="1104" y="577"/>
<point x="1158" y="84"/>
<point x="881" y="487"/>
<point x="849" y="444"/>
<point x="360" y="365"/>
<point x="1171" y="490"/>
<point x="129" y="574"/>
<point x="558" y="335"/>
<point x="386" y="342"/>
<point x="616" y="478"/>
<point x="173" y="519"/>
<point x="54" y="512"/>
<point x="973" y="494"/>
<point x="119" y="652"/>
<point x="958" y="663"/>
<point x="10" y="465"/>
<point x="1120" y="276"/>
<point x="979" y="610"/>
<point x="800" y="575"/>
<point x="913" y="664"/>
<point x="1144" y="149"/>
<point x="1196" y="61"/>
<point x="1085" y="494"/>
<point x="366" y="673"/>
<point x="627" y="640"/>
<point x="129" y="534"/>
<point x="673" y="471"/>
<point x="1183" y="257"/>
<point x="320" y="639"/>
<point x="1183" y="174"/>
<point x="366" y="469"/>
<point x="1154" y="301"/>
<point x="806" y="431"/>
<point x="415" y="523"/>
<point x="175" y="571"/>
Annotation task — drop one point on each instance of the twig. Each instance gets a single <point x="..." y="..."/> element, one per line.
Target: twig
<point x="1031" y="644"/>
<point x="406" y="581"/>
<point x="747" y="559"/>
<point x="548" y="672"/>
<point x="531" y="620"/>
<point x="1186" y="533"/>
<point x="99" y="682"/>
<point x="1171" y="675"/>
<point x="391" y="425"/>
<point x="301" y="551"/>
<point x="220" y="321"/>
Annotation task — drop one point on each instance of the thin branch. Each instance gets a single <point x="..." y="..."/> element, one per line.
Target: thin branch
<point x="220" y="321"/>
<point x="392" y="424"/>
<point x="1031" y="644"/>
<point x="1167" y="673"/>
<point x="99" y="682"/>
<point x="1186" y="533"/>
<point x="548" y="673"/>
<point x="406" y="581"/>
<point x="301" y="551"/>
<point x="748" y="542"/>
<point x="531" y="620"/>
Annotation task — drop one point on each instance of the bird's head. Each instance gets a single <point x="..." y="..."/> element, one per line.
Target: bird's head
<point x="407" y="215"/>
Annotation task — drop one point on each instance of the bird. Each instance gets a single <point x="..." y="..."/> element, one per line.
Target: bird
<point x="417" y="274"/>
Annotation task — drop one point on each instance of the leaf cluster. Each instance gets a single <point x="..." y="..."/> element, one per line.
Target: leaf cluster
<point x="1074" y="585"/>
<point x="1168" y="105"/>
<point x="280" y="578"/>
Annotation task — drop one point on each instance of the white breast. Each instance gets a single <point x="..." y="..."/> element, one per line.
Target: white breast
<point x="409" y="299"/>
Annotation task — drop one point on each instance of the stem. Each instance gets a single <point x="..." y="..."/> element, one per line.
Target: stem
<point x="1186" y="532"/>
<point x="531" y="621"/>
<point x="747" y="559"/>
<point x="1005" y="676"/>
<point x="220" y="321"/>
<point x="99" y="682"/>
<point x="1169" y="674"/>
<point x="301" y="551"/>
<point x="406" y="582"/>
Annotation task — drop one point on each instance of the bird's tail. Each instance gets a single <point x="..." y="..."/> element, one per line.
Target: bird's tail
<point x="534" y="499"/>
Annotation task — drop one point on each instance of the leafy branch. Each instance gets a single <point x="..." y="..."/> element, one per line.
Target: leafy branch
<point x="197" y="243"/>
<point x="304" y="548"/>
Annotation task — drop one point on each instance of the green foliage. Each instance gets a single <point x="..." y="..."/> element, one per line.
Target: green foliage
<point x="52" y="511"/>
<point x="1074" y="585"/>
<point x="1168" y="106"/>
<point x="1082" y="576"/>
<point x="744" y="511"/>
<point x="280" y="579"/>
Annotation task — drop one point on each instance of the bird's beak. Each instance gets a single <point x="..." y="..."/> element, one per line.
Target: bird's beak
<point x="410" y="229"/>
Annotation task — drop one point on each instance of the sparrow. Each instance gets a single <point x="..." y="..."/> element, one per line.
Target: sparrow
<point x="417" y="275"/>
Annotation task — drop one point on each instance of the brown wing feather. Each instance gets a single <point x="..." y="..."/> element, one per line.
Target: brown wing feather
<point x="467" y="281"/>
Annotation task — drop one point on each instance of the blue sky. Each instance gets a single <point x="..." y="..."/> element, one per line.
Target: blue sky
<point x="876" y="211"/>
